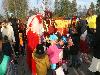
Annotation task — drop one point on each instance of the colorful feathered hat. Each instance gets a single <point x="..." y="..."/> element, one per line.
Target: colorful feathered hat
<point x="53" y="37"/>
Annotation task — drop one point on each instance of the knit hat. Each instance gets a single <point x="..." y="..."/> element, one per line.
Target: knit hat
<point x="40" y="49"/>
<point x="53" y="37"/>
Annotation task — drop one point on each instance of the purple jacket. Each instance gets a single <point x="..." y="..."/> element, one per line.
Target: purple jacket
<point x="53" y="53"/>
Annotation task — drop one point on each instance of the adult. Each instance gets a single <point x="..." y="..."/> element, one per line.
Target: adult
<point x="4" y="60"/>
<point x="91" y="20"/>
<point x="6" y="43"/>
<point x="82" y="29"/>
<point x="7" y="37"/>
<point x="34" y="32"/>
<point x="95" y="65"/>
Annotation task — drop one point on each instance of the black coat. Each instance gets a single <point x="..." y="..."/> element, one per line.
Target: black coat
<point x="97" y="39"/>
<point x="6" y="48"/>
<point x="73" y="50"/>
<point x="16" y="33"/>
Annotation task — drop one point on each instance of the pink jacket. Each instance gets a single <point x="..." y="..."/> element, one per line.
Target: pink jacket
<point x="53" y="53"/>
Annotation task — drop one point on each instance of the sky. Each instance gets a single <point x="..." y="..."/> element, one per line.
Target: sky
<point x="37" y="3"/>
<point x="1" y="8"/>
<point x="33" y="3"/>
<point x="85" y="2"/>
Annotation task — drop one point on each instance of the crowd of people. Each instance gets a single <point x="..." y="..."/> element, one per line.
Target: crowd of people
<point x="47" y="49"/>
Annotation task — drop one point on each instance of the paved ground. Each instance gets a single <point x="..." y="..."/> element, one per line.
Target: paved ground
<point x="83" y="70"/>
<point x="23" y="68"/>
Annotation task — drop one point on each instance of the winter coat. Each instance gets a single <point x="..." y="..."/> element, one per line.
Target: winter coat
<point x="96" y="52"/>
<point x="42" y="63"/>
<point x="8" y="31"/>
<point x="74" y="50"/>
<point x="53" y="53"/>
<point x="6" y="48"/>
<point x="92" y="21"/>
<point x="66" y="54"/>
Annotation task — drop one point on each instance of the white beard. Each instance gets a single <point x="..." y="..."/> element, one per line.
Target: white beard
<point x="36" y="26"/>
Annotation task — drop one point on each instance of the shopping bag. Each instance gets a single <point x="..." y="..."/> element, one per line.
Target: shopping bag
<point x="59" y="71"/>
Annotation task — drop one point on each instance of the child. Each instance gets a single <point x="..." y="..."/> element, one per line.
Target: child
<point x="53" y="53"/>
<point x="61" y="45"/>
<point x="41" y="59"/>
<point x="72" y="52"/>
<point x="66" y="51"/>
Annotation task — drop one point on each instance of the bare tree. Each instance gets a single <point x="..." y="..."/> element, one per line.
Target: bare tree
<point x="5" y="6"/>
